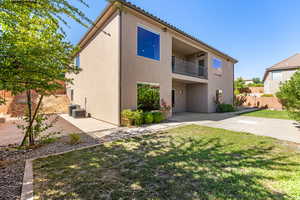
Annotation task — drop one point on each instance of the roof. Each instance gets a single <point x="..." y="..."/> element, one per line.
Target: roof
<point x="164" y="23"/>
<point x="292" y="62"/>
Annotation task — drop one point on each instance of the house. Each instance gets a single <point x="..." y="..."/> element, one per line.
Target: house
<point x="127" y="46"/>
<point x="279" y="73"/>
<point x="248" y="81"/>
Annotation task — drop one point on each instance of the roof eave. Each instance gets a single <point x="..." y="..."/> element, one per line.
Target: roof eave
<point x="110" y="5"/>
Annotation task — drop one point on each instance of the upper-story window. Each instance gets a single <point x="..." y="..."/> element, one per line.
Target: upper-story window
<point x="276" y="75"/>
<point x="77" y="61"/>
<point x="148" y="43"/>
<point x="216" y="63"/>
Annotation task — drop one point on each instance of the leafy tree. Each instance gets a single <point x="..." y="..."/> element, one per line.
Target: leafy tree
<point x="239" y="85"/>
<point x="34" y="55"/>
<point x="257" y="80"/>
<point x="289" y="95"/>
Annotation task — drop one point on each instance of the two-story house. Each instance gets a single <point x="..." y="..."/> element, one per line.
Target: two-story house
<point x="127" y="46"/>
<point x="279" y="73"/>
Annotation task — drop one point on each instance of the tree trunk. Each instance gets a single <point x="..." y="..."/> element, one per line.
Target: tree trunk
<point x="29" y="132"/>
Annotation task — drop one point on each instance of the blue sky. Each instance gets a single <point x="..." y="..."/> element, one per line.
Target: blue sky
<point x="259" y="33"/>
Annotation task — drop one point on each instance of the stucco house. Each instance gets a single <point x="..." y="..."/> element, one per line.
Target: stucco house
<point x="127" y="46"/>
<point x="279" y="73"/>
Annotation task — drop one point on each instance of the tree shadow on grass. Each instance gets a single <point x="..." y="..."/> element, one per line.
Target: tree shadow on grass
<point x="162" y="167"/>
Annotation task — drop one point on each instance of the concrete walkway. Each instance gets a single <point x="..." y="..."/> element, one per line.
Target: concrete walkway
<point x="276" y="128"/>
<point x="88" y="125"/>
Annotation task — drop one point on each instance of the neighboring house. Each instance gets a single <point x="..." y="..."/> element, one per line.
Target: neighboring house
<point x="127" y="46"/>
<point x="279" y="73"/>
<point x="248" y="81"/>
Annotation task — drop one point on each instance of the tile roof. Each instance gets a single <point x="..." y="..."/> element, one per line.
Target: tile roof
<point x="292" y="62"/>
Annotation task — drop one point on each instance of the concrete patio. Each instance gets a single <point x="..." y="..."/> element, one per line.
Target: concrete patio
<point x="277" y="128"/>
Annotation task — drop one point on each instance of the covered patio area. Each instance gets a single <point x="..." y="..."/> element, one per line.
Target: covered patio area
<point x="189" y="96"/>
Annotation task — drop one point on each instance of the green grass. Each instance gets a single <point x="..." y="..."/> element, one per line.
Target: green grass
<point x="269" y="114"/>
<point x="191" y="162"/>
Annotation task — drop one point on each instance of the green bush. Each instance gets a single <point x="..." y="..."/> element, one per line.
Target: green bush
<point x="138" y="117"/>
<point x="148" y="97"/>
<point x="289" y="95"/>
<point x="267" y="95"/>
<point x="148" y="118"/>
<point x="221" y="108"/>
<point x="157" y="117"/>
<point x="127" y="114"/>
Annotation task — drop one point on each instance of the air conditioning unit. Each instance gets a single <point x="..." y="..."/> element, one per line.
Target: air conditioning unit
<point x="72" y="107"/>
<point x="78" y="113"/>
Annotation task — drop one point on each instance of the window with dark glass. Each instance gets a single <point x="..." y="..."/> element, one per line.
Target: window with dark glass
<point x="148" y="44"/>
<point x="77" y="61"/>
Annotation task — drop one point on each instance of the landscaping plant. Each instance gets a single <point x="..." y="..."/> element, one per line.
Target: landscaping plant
<point x="138" y="117"/>
<point x="148" y="118"/>
<point x="157" y="117"/>
<point x="221" y="108"/>
<point x="289" y="95"/>
<point x="127" y="117"/>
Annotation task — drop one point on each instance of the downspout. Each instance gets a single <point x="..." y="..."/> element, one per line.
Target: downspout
<point x="120" y="67"/>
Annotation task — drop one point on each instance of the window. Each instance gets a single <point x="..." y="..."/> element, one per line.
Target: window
<point x="148" y="44"/>
<point x="216" y="63"/>
<point x="77" y="61"/>
<point x="276" y="75"/>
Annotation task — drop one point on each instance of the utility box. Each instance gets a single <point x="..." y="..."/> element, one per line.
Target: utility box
<point x="72" y="107"/>
<point x="78" y="113"/>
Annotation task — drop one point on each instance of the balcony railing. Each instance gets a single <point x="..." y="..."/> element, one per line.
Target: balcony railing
<point x="188" y="68"/>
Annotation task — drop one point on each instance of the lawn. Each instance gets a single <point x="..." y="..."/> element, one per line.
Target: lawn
<point x="269" y="114"/>
<point x="190" y="162"/>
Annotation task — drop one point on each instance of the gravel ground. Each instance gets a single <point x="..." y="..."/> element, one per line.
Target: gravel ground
<point x="12" y="161"/>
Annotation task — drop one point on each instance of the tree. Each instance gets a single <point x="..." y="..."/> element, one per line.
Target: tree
<point x="289" y="95"/>
<point x="239" y="85"/>
<point x="256" y="80"/>
<point x="34" y="54"/>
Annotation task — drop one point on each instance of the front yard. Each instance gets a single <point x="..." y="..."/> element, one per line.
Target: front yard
<point x="276" y="114"/>
<point x="191" y="162"/>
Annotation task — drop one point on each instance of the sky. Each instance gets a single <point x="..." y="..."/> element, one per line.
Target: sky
<point x="258" y="33"/>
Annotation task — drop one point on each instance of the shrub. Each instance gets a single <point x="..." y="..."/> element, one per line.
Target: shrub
<point x="157" y="117"/>
<point x="148" y="97"/>
<point x="221" y="108"/>
<point x="267" y="95"/>
<point x="127" y="114"/>
<point x="138" y="117"/>
<point x="74" y="138"/>
<point x="127" y="117"/>
<point x="148" y="118"/>
<point x="289" y="95"/>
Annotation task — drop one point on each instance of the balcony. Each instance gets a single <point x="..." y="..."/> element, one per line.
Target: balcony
<point x="189" y="68"/>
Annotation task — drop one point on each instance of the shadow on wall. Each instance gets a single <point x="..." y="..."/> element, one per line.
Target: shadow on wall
<point x="162" y="167"/>
<point x="263" y="102"/>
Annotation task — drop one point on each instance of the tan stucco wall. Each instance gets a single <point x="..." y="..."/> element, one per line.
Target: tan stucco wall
<point x="140" y="69"/>
<point x="96" y="87"/>
<point x="180" y="96"/>
<point x="272" y="86"/>
<point x="223" y="82"/>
